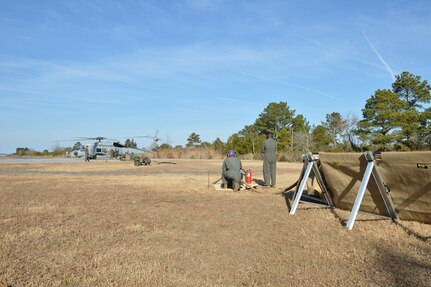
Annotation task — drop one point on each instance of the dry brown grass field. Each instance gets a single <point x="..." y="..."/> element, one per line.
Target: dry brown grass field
<point x="114" y="224"/>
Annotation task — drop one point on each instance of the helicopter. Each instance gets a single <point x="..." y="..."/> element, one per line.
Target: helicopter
<point x="106" y="147"/>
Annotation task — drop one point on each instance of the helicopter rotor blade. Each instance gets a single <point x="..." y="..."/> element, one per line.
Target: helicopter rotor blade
<point x="142" y="137"/>
<point x="94" y="138"/>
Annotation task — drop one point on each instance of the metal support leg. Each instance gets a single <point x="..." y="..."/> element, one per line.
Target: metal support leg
<point x="383" y="192"/>
<point x="360" y="195"/>
<point x="319" y="178"/>
<point x="301" y="187"/>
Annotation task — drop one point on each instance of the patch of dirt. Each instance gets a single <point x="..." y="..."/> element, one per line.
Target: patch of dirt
<point x="114" y="224"/>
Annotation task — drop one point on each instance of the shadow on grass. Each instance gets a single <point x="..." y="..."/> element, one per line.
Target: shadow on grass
<point x="343" y="222"/>
<point x="259" y="181"/>
<point x="288" y="198"/>
<point x="402" y="268"/>
<point x="412" y="232"/>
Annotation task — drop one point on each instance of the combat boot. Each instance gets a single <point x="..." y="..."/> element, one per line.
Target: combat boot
<point x="236" y="186"/>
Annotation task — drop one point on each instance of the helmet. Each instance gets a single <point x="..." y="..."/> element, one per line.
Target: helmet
<point x="231" y="153"/>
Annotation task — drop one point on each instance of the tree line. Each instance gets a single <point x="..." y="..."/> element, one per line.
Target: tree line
<point x="395" y="119"/>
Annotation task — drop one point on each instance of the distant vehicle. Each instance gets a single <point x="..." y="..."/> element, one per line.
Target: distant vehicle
<point x="106" y="147"/>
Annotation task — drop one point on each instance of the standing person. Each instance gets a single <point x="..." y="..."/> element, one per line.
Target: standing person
<point x="87" y="156"/>
<point x="231" y="171"/>
<point x="269" y="150"/>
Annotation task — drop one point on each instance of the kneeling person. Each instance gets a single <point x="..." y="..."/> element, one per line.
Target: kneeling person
<point x="231" y="171"/>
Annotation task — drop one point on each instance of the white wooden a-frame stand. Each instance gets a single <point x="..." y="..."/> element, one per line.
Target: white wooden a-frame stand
<point x="371" y="170"/>
<point x="310" y="165"/>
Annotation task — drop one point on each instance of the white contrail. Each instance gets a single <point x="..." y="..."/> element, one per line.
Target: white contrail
<point x="380" y="58"/>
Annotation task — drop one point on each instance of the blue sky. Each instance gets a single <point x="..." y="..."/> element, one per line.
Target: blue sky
<point x="87" y="68"/>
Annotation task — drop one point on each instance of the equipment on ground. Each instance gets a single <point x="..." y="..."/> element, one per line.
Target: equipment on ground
<point x="138" y="160"/>
<point x="248" y="176"/>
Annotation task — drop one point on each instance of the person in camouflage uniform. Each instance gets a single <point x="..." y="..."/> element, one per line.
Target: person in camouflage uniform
<point x="231" y="171"/>
<point x="269" y="150"/>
